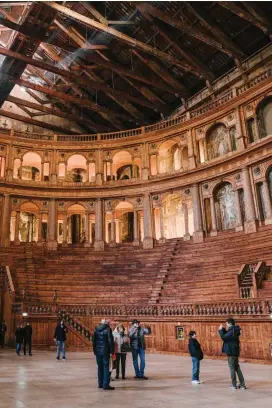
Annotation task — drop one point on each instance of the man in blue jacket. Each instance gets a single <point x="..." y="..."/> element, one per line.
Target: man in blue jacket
<point x="103" y="348"/>
<point x="231" y="346"/>
<point x="60" y="339"/>
<point x="137" y="341"/>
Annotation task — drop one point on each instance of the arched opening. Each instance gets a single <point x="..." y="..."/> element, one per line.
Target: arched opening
<point x="76" y="222"/>
<point x="185" y="158"/>
<point x="124" y="219"/>
<point x="31" y="166"/>
<point x="76" y="169"/>
<point x="124" y="167"/>
<point x="28" y="228"/>
<point x="224" y="197"/>
<point x="264" y="117"/>
<point x="217" y="141"/>
<point x="166" y="157"/>
<point x="173" y="216"/>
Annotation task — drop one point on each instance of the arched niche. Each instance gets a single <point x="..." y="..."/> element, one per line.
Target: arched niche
<point x="28" y="224"/>
<point x="264" y="117"/>
<point x="124" y="167"/>
<point x="76" y="168"/>
<point x="124" y="220"/>
<point x="217" y="141"/>
<point x="169" y="159"/>
<point x="224" y="198"/>
<point x="76" y="224"/>
<point x="173" y="217"/>
<point x="31" y="166"/>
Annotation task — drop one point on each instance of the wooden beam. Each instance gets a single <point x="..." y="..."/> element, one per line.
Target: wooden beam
<point x="68" y="98"/>
<point x="35" y="122"/>
<point x="245" y="15"/>
<point x="179" y="24"/>
<point x="259" y="14"/>
<point x="56" y="112"/>
<point x="214" y="28"/>
<point x="102" y="27"/>
<point x="122" y="22"/>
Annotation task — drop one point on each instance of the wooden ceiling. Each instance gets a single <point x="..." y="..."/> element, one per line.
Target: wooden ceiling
<point x="117" y="65"/>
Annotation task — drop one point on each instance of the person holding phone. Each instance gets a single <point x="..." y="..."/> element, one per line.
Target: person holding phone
<point x="137" y="341"/>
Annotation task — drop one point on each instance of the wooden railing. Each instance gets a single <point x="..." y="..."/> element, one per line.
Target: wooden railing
<point x="248" y="307"/>
<point x="249" y="279"/>
<point x="77" y="326"/>
<point x="189" y="114"/>
<point x="7" y="275"/>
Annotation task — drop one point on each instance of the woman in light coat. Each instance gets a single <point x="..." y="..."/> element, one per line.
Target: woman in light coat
<point x="120" y="339"/>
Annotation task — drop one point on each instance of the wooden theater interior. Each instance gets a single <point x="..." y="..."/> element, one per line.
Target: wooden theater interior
<point x="136" y="170"/>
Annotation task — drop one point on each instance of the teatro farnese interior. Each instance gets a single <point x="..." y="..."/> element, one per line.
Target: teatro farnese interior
<point x="135" y="182"/>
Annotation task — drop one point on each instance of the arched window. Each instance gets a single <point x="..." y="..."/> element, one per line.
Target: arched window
<point x="217" y="141"/>
<point x="31" y="166"/>
<point x="225" y="208"/>
<point x="264" y="117"/>
<point x="76" y="169"/>
<point x="167" y="157"/>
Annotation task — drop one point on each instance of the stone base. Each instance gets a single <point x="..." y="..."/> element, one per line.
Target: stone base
<point x="17" y="242"/>
<point x="112" y="244"/>
<point x="99" y="245"/>
<point x="250" y="226"/>
<point x="214" y="233"/>
<point x="268" y="221"/>
<point x="52" y="245"/>
<point x="148" y="243"/>
<point x="198" y="236"/>
<point x="162" y="240"/>
<point x="239" y="228"/>
<point x="87" y="245"/>
<point x="136" y="242"/>
<point x="145" y="174"/>
<point x="186" y="237"/>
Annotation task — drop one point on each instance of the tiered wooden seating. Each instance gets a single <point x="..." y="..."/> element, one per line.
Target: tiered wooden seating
<point x="122" y="275"/>
<point x="207" y="271"/>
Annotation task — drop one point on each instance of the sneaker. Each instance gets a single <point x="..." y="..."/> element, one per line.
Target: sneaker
<point x="30" y="355"/>
<point x="100" y="386"/>
<point x="233" y="387"/>
<point x="144" y="377"/>
<point x="109" y="388"/>
<point x="57" y="358"/>
<point x="137" y="377"/>
<point x="195" y="382"/>
<point x="242" y="387"/>
<point x="64" y="358"/>
<point x="123" y="378"/>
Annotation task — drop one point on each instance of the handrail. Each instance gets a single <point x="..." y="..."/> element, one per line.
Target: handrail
<point x="240" y="307"/>
<point x="186" y="116"/>
<point x="6" y="271"/>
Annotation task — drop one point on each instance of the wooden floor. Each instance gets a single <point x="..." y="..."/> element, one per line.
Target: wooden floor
<point x="42" y="382"/>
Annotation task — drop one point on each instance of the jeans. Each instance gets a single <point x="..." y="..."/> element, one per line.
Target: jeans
<point x="18" y="348"/>
<point x="2" y="340"/>
<point x="103" y="371"/>
<point x="29" y="343"/>
<point x="141" y="353"/>
<point x="60" y="344"/>
<point x="121" y="357"/>
<point x="196" y="367"/>
<point x="235" y="368"/>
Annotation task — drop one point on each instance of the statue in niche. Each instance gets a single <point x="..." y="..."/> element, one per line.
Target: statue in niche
<point x="225" y="207"/>
<point x="24" y="232"/>
<point x="217" y="142"/>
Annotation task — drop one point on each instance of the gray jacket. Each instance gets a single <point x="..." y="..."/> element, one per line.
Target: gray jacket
<point x="137" y="337"/>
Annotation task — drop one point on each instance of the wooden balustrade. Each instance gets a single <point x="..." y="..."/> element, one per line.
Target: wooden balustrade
<point x="237" y="307"/>
<point x="186" y="115"/>
<point x="10" y="286"/>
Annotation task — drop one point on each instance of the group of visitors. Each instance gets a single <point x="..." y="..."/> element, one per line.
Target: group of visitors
<point x="23" y="335"/>
<point x="110" y="349"/>
<point x="231" y="347"/>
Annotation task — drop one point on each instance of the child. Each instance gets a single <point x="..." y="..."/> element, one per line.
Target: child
<point x="19" y="335"/>
<point x="197" y="356"/>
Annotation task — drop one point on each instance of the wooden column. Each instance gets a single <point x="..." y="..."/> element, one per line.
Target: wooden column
<point x="17" y="228"/>
<point x="52" y="235"/>
<point x="239" y="223"/>
<point x="250" y="223"/>
<point x="162" y="237"/>
<point x="213" y="216"/>
<point x="186" y="236"/>
<point x="65" y="230"/>
<point x="136" y="241"/>
<point x="148" y="240"/>
<point x="198" y="225"/>
<point x="99" y="242"/>
<point x="5" y="222"/>
<point x="267" y="203"/>
<point x="87" y="230"/>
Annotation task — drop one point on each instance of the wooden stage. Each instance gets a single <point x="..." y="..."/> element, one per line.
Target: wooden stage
<point x="41" y="381"/>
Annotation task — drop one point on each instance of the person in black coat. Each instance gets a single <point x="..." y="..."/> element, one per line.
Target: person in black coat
<point x="19" y="338"/>
<point x="3" y="329"/>
<point x="28" y="338"/>
<point x="197" y="355"/>
<point x="60" y="339"/>
<point x="231" y="346"/>
<point x="103" y="348"/>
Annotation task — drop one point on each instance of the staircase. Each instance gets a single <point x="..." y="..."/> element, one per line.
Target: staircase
<point x="165" y="265"/>
<point x="31" y="289"/>
<point x="250" y="279"/>
<point x="75" y="326"/>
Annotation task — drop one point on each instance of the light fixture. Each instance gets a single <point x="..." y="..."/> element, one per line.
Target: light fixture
<point x="24" y="314"/>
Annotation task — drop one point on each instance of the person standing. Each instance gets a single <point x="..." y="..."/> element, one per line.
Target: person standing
<point x="103" y="348"/>
<point x="197" y="355"/>
<point x="19" y="338"/>
<point x="231" y="347"/>
<point x="137" y="341"/>
<point x="60" y="339"/>
<point x="3" y="329"/>
<point x="120" y="340"/>
<point x="28" y="338"/>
